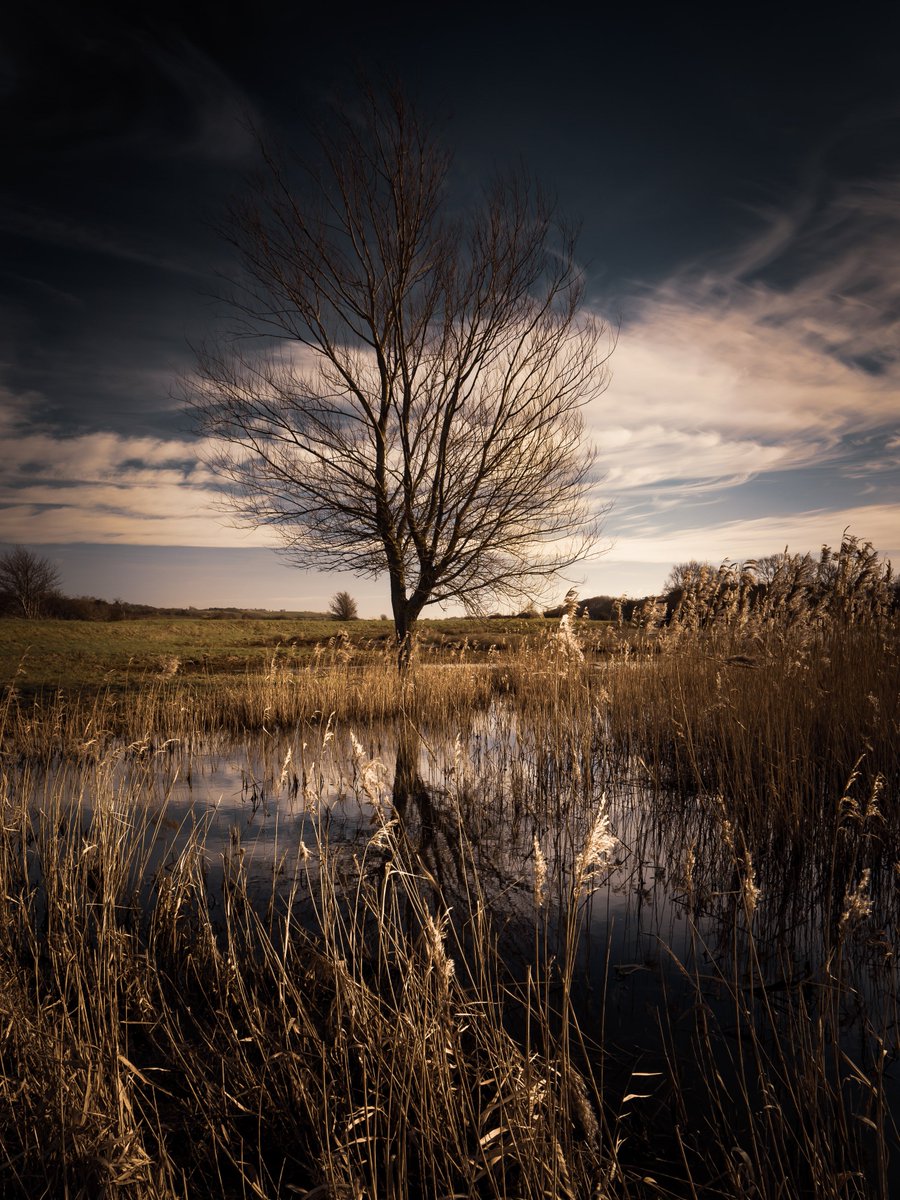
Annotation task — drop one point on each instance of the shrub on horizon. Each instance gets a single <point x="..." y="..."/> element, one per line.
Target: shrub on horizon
<point x="343" y="607"/>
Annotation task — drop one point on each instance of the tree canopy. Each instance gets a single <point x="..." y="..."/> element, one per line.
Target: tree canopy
<point x="28" y="580"/>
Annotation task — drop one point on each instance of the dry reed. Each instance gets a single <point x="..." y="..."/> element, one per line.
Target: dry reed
<point x="423" y="1012"/>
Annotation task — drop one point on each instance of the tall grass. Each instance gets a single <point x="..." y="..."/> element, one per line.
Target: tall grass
<point x="163" y="1040"/>
<point x="431" y="1009"/>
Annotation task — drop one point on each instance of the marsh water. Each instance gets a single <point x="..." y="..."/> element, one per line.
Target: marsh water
<point x="687" y="952"/>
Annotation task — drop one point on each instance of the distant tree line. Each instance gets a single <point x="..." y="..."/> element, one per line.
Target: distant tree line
<point x="30" y="589"/>
<point x="598" y="608"/>
<point x="851" y="578"/>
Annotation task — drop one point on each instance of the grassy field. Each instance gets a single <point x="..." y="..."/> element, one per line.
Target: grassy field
<point x="86" y="654"/>
<point x="425" y="1011"/>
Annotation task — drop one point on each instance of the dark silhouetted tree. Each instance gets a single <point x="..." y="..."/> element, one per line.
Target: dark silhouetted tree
<point x="28" y="581"/>
<point x="343" y="607"/>
<point x="771" y="567"/>
<point x="401" y="390"/>
<point x="685" y="575"/>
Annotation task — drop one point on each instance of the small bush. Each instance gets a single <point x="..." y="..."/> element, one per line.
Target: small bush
<point x="343" y="607"/>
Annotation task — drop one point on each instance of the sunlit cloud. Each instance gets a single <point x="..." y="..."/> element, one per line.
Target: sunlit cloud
<point x="781" y="358"/>
<point x="148" y="517"/>
<point x="742" y="539"/>
<point x="104" y="487"/>
<point x="655" y="455"/>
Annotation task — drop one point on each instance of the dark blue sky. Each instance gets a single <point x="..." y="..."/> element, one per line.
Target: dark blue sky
<point x="738" y="183"/>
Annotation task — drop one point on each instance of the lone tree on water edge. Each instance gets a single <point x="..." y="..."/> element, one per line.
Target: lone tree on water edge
<point x="401" y="389"/>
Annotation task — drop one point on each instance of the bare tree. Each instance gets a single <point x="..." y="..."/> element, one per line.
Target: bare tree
<point x="28" y="580"/>
<point x="402" y="389"/>
<point x="343" y="607"/>
<point x="771" y="567"/>
<point x="687" y="574"/>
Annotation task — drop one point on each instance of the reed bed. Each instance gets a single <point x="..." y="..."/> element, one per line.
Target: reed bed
<point x="437" y="1006"/>
<point x="346" y="1039"/>
<point x="282" y="693"/>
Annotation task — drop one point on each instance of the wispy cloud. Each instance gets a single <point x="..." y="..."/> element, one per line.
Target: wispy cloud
<point x="104" y="487"/>
<point x="782" y="357"/>
<point x="742" y="539"/>
<point x="221" y="115"/>
<point x="73" y="235"/>
<point x="162" y="514"/>
<point x="162" y="96"/>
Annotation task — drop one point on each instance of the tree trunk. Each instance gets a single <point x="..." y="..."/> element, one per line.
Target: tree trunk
<point x="432" y="833"/>
<point x="406" y="613"/>
<point x="404" y="628"/>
